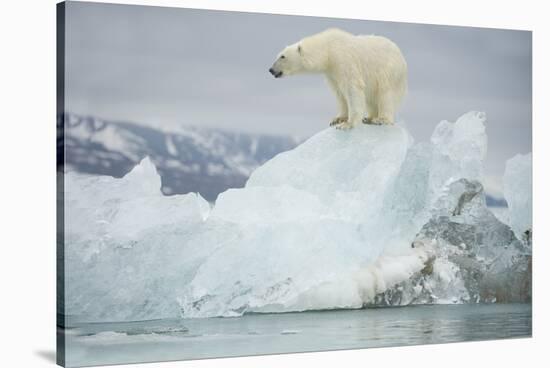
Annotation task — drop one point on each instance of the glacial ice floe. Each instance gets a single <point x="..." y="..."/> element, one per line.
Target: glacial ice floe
<point x="518" y="177"/>
<point x="472" y="256"/>
<point x="344" y="220"/>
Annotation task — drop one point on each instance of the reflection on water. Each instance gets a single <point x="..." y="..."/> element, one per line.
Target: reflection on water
<point x="178" y="339"/>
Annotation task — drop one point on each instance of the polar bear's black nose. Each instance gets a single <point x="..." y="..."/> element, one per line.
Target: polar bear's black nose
<point x="275" y="73"/>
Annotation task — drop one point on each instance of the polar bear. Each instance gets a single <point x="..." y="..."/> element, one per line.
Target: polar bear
<point x="368" y="74"/>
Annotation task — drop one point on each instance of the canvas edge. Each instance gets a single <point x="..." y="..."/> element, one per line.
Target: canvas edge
<point x="60" y="186"/>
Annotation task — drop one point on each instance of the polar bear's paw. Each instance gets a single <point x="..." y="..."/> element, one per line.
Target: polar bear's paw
<point x="338" y="120"/>
<point x="344" y="126"/>
<point x="377" y="121"/>
<point x="371" y="121"/>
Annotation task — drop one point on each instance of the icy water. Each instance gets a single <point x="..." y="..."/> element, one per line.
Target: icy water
<point x="180" y="339"/>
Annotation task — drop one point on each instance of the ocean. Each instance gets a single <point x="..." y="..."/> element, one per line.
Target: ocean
<point x="253" y="334"/>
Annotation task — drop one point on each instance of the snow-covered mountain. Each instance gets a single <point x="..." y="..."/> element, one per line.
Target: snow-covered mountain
<point x="193" y="159"/>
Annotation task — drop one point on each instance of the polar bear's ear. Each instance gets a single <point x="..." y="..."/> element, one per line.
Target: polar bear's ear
<point x="300" y="49"/>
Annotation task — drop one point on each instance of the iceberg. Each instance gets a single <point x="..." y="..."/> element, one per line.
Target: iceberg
<point x="123" y="244"/>
<point x="518" y="192"/>
<point x="473" y="257"/>
<point x="347" y="219"/>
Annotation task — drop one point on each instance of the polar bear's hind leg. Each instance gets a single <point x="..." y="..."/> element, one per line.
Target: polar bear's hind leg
<point x="372" y="112"/>
<point x="386" y="110"/>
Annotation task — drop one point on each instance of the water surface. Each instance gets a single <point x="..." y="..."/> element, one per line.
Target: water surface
<point x="180" y="339"/>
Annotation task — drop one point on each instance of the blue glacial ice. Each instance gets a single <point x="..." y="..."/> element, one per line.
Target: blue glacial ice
<point x="344" y="220"/>
<point x="518" y="176"/>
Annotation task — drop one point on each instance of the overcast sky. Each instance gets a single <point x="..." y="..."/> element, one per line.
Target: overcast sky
<point x="167" y="67"/>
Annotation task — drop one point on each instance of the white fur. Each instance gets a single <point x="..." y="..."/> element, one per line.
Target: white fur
<point x="368" y="74"/>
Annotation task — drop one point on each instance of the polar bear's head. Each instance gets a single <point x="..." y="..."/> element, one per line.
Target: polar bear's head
<point x="289" y="61"/>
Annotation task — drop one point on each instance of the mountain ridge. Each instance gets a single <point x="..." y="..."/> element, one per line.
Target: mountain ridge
<point x="205" y="160"/>
<point x="192" y="159"/>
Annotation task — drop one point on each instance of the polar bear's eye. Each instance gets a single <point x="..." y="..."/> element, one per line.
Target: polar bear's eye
<point x="282" y="56"/>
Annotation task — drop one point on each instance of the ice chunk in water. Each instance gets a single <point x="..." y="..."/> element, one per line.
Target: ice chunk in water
<point x="307" y="221"/>
<point x="473" y="257"/>
<point x="124" y="244"/>
<point x="518" y="187"/>
<point x="326" y="225"/>
<point x="459" y="150"/>
<point x="330" y="223"/>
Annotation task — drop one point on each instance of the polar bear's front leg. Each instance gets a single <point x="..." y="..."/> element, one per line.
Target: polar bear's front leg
<point x="356" y="108"/>
<point x="342" y="109"/>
